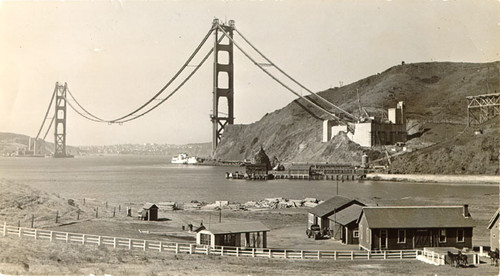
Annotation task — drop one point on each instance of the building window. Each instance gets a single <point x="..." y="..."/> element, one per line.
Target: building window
<point x="205" y="239"/>
<point x="460" y="235"/>
<point x="401" y="236"/>
<point x="229" y="239"/>
<point x="355" y="233"/>
<point x="442" y="235"/>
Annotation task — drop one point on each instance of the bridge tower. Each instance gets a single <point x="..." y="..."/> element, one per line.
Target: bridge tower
<point x="223" y="80"/>
<point x="60" y="121"/>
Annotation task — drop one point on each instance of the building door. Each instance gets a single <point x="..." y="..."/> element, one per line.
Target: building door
<point x="383" y="239"/>
<point x="422" y="238"/>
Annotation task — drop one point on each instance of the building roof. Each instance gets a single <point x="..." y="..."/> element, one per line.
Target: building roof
<point x="332" y="204"/>
<point x="347" y="215"/>
<point x="242" y="227"/>
<point x="417" y="217"/>
<point x="493" y="219"/>
<point x="149" y="206"/>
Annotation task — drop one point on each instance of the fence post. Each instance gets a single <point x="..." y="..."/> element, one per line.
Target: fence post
<point x="145" y="244"/>
<point x="129" y="244"/>
<point x="67" y="237"/>
<point x="286" y="254"/>
<point x="20" y="231"/>
<point x="335" y="255"/>
<point x="302" y="254"/>
<point x="98" y="240"/>
<point x="32" y="220"/>
<point x="4" y="228"/>
<point x="401" y="254"/>
<point x="237" y="251"/>
<point x="270" y="253"/>
<point x="319" y="255"/>
<point x="352" y="255"/>
<point x="222" y="250"/>
<point x="114" y="242"/>
<point x="177" y="248"/>
<point x="161" y="246"/>
<point x="368" y="255"/>
<point x="190" y="249"/>
<point x="83" y="239"/>
<point x="385" y="255"/>
<point x="51" y="234"/>
<point x="253" y="252"/>
<point x="208" y="249"/>
<point x="36" y="234"/>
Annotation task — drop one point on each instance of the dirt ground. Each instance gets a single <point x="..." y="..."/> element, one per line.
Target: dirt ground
<point x="19" y="257"/>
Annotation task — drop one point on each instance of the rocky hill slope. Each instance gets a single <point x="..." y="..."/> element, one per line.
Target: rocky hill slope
<point x="435" y="97"/>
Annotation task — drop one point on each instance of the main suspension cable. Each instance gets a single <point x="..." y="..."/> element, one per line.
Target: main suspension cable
<point x="291" y="78"/>
<point x="89" y="116"/>
<point x="277" y="80"/>
<point x="186" y="64"/>
<point x="172" y="93"/>
<point x="96" y="119"/>
<point x="46" y="113"/>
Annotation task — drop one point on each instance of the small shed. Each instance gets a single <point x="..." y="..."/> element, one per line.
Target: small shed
<point x="410" y="227"/>
<point x="149" y="212"/>
<point x="246" y="234"/>
<point x="494" y="231"/>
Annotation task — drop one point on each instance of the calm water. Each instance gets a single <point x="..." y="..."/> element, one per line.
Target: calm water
<point x="153" y="179"/>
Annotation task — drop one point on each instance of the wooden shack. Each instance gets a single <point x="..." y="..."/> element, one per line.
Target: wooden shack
<point x="344" y="224"/>
<point x="332" y="219"/>
<point x="411" y="227"/>
<point x="494" y="231"/>
<point x="245" y="234"/>
<point x="149" y="212"/>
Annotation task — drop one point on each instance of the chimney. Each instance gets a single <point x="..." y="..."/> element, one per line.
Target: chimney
<point x="466" y="211"/>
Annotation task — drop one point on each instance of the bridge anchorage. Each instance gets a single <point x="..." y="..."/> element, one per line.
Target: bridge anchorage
<point x="222" y="113"/>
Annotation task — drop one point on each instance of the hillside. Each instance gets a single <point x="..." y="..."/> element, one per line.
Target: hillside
<point x="435" y="97"/>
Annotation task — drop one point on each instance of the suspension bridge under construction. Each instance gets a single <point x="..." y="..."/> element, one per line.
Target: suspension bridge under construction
<point x="223" y="87"/>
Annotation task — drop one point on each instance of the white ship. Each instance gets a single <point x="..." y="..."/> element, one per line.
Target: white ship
<point x="183" y="158"/>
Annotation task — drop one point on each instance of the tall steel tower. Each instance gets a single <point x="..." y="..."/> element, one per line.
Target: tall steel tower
<point x="60" y="121"/>
<point x="223" y="79"/>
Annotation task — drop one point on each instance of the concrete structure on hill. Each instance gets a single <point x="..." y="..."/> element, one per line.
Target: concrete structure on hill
<point x="245" y="234"/>
<point x="372" y="132"/>
<point x="494" y="231"/>
<point x="405" y="227"/>
<point x="338" y="217"/>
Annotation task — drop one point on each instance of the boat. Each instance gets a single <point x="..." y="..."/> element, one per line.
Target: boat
<point x="183" y="158"/>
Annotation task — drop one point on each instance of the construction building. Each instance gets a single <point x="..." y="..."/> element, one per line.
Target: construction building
<point x="371" y="132"/>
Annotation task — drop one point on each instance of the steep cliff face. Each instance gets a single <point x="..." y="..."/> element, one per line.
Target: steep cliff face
<point x="434" y="94"/>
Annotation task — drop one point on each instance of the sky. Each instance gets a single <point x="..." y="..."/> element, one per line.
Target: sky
<point x="115" y="55"/>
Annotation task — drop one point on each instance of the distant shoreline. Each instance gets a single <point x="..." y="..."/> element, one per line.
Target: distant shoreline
<point x="431" y="178"/>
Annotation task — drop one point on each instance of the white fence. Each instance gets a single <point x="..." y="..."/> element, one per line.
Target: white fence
<point x="190" y="248"/>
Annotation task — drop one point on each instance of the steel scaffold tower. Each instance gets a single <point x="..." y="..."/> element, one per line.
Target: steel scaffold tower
<point x="482" y="108"/>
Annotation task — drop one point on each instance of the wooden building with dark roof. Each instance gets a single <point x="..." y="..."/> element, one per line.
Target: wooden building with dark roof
<point x="405" y="227"/>
<point x="324" y="215"/>
<point x="494" y="231"/>
<point x="245" y="234"/>
<point x="344" y="224"/>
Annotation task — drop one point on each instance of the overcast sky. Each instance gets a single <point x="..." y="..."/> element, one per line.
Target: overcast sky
<point x="115" y="55"/>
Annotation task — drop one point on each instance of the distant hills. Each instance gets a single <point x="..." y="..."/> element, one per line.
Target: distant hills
<point x="435" y="98"/>
<point x="12" y="144"/>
